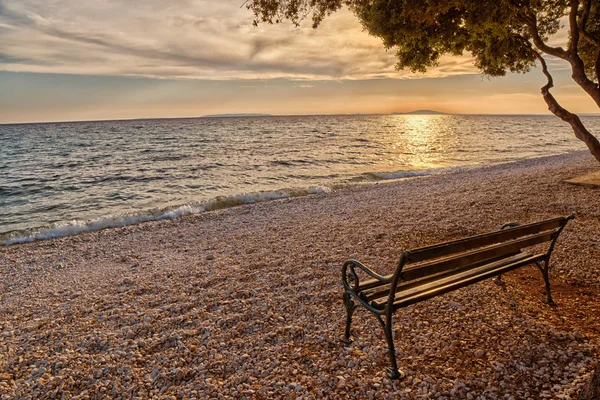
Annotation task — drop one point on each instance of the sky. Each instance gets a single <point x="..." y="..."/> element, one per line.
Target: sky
<point x="66" y="60"/>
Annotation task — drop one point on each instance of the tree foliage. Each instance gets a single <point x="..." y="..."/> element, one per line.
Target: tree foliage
<point x="501" y="35"/>
<point x="589" y="45"/>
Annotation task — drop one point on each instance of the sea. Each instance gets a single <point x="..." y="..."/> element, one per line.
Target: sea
<point x="60" y="179"/>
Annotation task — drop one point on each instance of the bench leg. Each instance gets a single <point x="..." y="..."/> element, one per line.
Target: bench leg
<point x="548" y="293"/>
<point x="393" y="372"/>
<point x="546" y="275"/>
<point x="350" y="307"/>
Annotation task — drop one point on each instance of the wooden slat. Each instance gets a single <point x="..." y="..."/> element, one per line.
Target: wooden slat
<point x="473" y="242"/>
<point x="402" y="287"/>
<point x="372" y="283"/>
<point x="430" y="291"/>
<point x="470" y="243"/>
<point x="474" y="256"/>
<point x="461" y="276"/>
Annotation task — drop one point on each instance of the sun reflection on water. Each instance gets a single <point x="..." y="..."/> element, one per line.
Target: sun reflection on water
<point x="422" y="137"/>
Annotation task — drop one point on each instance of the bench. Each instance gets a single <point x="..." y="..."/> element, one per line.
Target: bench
<point x="430" y="271"/>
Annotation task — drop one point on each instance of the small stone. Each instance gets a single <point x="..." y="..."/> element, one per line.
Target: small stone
<point x="454" y="305"/>
<point x="178" y="375"/>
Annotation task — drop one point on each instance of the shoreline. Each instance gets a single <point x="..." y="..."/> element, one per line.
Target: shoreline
<point x="245" y="302"/>
<point x="79" y="226"/>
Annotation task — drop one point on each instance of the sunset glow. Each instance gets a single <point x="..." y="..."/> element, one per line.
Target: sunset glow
<point x="68" y="60"/>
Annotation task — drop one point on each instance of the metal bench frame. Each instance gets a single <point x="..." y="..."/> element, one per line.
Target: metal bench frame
<point x="440" y="269"/>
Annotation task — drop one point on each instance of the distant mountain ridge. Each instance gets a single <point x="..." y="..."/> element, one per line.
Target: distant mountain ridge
<point x="235" y="115"/>
<point x="420" y="112"/>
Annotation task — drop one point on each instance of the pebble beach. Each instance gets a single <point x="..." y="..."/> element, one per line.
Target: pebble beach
<point x="246" y="302"/>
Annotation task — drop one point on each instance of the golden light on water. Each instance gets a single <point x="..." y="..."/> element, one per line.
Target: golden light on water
<point x="420" y="136"/>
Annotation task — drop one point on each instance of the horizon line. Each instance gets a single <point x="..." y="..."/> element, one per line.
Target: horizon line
<point x="260" y="115"/>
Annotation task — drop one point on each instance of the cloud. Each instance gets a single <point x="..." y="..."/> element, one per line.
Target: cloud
<point x="200" y="39"/>
<point x="8" y="59"/>
<point x="556" y="64"/>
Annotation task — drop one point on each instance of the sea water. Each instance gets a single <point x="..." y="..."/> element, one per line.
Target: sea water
<point x="60" y="179"/>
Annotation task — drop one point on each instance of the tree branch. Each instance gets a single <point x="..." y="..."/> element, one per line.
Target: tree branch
<point x="579" y="76"/>
<point x="589" y="37"/>
<point x="550" y="84"/>
<point x="531" y="24"/>
<point x="572" y="119"/>
<point x="573" y="26"/>
<point x="587" y="5"/>
<point x="583" y="23"/>
<point x="572" y="56"/>
<point x="597" y="68"/>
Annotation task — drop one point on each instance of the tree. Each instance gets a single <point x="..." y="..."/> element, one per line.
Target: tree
<point x="502" y="35"/>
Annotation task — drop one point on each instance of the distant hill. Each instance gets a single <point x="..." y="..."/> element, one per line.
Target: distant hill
<point x="235" y="115"/>
<point x="420" y="112"/>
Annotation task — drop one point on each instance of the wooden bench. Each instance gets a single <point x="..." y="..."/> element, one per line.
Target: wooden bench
<point x="430" y="271"/>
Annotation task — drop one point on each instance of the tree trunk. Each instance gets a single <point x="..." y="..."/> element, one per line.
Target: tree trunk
<point x="591" y="391"/>
<point x="580" y="130"/>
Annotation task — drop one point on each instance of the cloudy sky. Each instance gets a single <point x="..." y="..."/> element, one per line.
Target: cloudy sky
<point x="86" y="60"/>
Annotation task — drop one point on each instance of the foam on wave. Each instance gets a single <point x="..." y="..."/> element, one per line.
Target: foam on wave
<point x="396" y="174"/>
<point x="76" y="227"/>
<point x="410" y="173"/>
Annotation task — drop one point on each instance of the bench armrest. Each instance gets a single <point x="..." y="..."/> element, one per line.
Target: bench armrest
<point x="350" y="279"/>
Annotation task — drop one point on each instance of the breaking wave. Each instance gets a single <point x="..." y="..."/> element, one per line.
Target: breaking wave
<point x="403" y="174"/>
<point x="378" y="176"/>
<point x="76" y="227"/>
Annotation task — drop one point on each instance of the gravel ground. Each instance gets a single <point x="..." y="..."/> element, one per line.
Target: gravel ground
<point x="246" y="302"/>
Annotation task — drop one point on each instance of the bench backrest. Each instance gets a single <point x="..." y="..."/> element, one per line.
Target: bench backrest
<point x="478" y="249"/>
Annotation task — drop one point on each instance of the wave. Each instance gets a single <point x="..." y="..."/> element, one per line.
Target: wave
<point x="414" y="173"/>
<point x="289" y="163"/>
<point x="411" y="173"/>
<point x="76" y="227"/>
<point x="377" y="176"/>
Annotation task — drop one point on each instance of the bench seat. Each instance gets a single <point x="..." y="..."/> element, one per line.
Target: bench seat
<point x="429" y="289"/>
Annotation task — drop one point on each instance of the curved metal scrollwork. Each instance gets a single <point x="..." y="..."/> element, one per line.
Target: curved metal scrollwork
<point x="350" y="278"/>
<point x="510" y="225"/>
<point x="353" y="263"/>
<point x="351" y="284"/>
